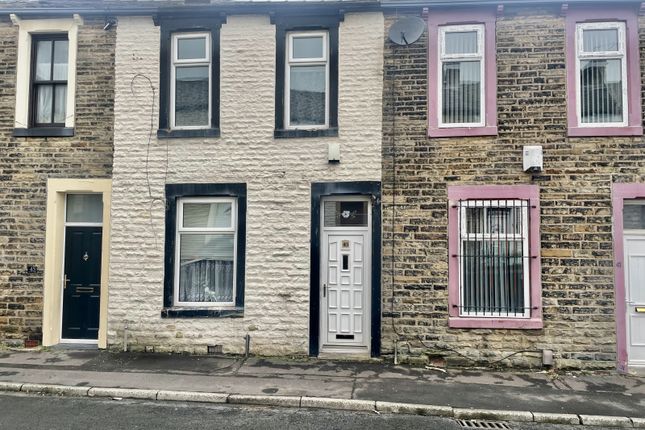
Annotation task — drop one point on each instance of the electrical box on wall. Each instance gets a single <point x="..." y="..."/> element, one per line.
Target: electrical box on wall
<point x="334" y="152"/>
<point x="532" y="159"/>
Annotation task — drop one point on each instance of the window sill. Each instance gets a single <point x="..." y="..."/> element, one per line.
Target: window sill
<point x="294" y="134"/>
<point x="202" y="313"/>
<point x="44" y="132"/>
<point x="493" y="323"/>
<point x="462" y="132"/>
<point x="605" y="131"/>
<point x="178" y="134"/>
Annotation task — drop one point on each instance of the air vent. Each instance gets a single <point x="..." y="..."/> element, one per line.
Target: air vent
<point x="478" y="424"/>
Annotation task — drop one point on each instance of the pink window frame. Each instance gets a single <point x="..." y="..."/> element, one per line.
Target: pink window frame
<point x="620" y="193"/>
<point x="485" y="192"/>
<point x="629" y="16"/>
<point x="436" y="19"/>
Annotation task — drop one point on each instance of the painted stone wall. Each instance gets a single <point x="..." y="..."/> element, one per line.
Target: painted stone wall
<point x="575" y="194"/>
<point x="26" y="163"/>
<point x="278" y="174"/>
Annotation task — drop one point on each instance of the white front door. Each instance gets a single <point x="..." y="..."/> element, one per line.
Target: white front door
<point x="345" y="276"/>
<point x="635" y="297"/>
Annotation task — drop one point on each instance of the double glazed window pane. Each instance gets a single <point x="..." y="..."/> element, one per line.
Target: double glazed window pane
<point x="461" y="98"/>
<point x="51" y="64"/>
<point x="307" y="95"/>
<point x="84" y="208"/>
<point x="207" y="215"/>
<point x="307" y="47"/>
<point x="191" y="48"/>
<point x="460" y="42"/>
<point x="191" y="95"/>
<point x="600" y="40"/>
<point x="50" y="81"/>
<point x="493" y="257"/>
<point x="601" y="88"/>
<point x="345" y="214"/>
<point x="634" y="216"/>
<point x="206" y="267"/>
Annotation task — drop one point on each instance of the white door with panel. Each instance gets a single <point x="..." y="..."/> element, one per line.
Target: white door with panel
<point x="345" y="275"/>
<point x="635" y="297"/>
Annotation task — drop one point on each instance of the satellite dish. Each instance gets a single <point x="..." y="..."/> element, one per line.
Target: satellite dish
<point x="406" y="31"/>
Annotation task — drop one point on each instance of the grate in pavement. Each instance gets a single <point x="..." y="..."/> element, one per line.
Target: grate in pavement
<point x="479" y="424"/>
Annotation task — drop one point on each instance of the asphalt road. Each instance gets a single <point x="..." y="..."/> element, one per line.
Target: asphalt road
<point x="18" y="412"/>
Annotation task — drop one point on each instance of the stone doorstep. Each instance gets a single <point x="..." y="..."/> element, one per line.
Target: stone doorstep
<point x="325" y="403"/>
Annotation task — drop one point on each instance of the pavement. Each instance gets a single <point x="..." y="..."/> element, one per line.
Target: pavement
<point x="604" y="399"/>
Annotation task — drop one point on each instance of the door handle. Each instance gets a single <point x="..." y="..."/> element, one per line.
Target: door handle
<point x="65" y="281"/>
<point x="324" y="290"/>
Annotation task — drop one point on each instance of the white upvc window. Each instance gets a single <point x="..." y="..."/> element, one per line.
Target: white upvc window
<point x="190" y="81"/>
<point x="307" y="80"/>
<point x="494" y="258"/>
<point x="461" y="76"/>
<point x="205" y="252"/>
<point x="601" y="74"/>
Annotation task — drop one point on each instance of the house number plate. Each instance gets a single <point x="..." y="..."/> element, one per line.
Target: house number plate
<point x="345" y="244"/>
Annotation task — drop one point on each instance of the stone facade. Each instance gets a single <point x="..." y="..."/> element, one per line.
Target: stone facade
<point x="575" y="199"/>
<point x="27" y="162"/>
<point x="278" y="174"/>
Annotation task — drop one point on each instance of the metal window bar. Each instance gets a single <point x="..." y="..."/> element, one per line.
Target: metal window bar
<point x="494" y="258"/>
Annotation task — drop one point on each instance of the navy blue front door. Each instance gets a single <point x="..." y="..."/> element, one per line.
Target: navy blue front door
<point x="82" y="286"/>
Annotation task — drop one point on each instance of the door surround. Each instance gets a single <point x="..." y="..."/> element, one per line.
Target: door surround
<point x="57" y="190"/>
<point x="620" y="193"/>
<point x="319" y="190"/>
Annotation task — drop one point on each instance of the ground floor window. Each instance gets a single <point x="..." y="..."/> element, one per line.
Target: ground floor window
<point x="494" y="255"/>
<point x="205" y="248"/>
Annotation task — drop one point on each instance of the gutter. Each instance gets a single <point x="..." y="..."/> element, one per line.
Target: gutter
<point x="289" y="7"/>
<point x="395" y="4"/>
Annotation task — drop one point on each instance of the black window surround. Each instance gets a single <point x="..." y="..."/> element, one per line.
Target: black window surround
<point x="186" y="25"/>
<point x="173" y="193"/>
<point x="42" y="130"/>
<point x="288" y="23"/>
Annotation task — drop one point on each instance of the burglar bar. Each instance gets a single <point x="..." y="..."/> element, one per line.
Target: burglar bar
<point x="493" y="257"/>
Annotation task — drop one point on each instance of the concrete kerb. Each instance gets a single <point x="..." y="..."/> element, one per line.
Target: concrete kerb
<point x="325" y="403"/>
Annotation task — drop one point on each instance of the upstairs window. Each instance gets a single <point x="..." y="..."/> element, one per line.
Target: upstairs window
<point x="462" y="73"/>
<point x="462" y="68"/>
<point x="49" y="80"/>
<point x="189" y="72"/>
<point x="190" y="106"/>
<point x="306" y="90"/>
<point x="603" y="71"/>
<point x="307" y="81"/>
<point x="602" y="74"/>
<point x="46" y="77"/>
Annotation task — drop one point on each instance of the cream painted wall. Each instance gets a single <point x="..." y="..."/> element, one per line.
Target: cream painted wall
<point x="278" y="174"/>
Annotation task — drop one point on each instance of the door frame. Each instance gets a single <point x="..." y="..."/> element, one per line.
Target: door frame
<point x="64" y="256"/>
<point x="319" y="190"/>
<point x="57" y="190"/>
<point x="366" y="233"/>
<point x="620" y="193"/>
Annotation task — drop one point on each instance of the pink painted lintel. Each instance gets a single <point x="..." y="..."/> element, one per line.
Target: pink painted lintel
<point x="476" y="15"/>
<point x="628" y="14"/>
<point x="619" y="193"/>
<point x="476" y="192"/>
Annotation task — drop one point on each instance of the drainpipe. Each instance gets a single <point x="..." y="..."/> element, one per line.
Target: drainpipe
<point x="125" y="337"/>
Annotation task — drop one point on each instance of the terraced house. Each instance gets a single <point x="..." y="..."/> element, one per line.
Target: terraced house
<point x="431" y="180"/>
<point x="514" y="165"/>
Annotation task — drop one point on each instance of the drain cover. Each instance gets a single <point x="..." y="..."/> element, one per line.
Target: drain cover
<point x="478" y="424"/>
